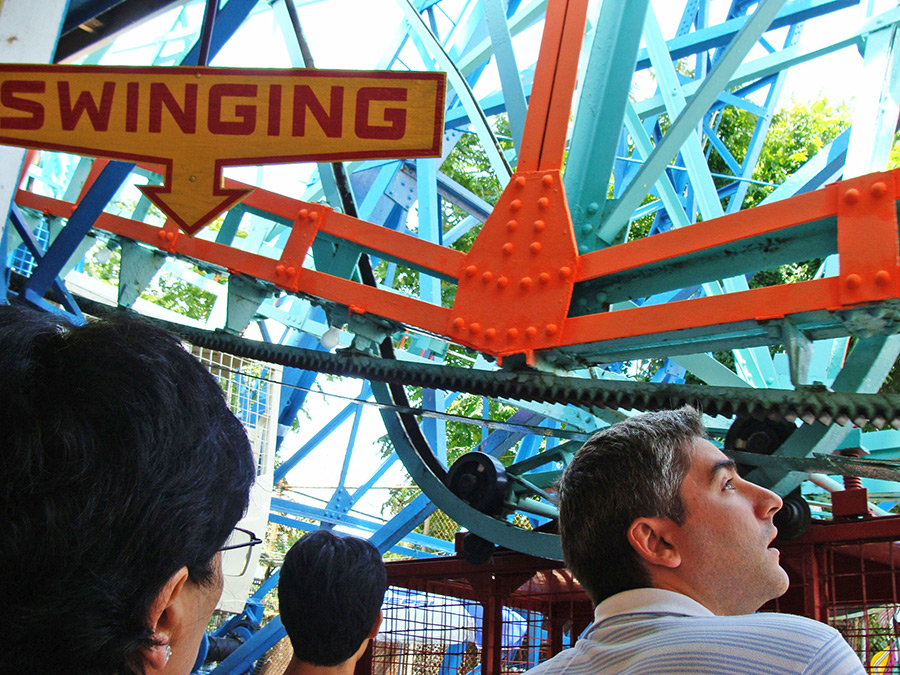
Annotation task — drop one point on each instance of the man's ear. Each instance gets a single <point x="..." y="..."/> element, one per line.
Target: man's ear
<point x="376" y="626"/>
<point x="163" y="617"/>
<point x="652" y="539"/>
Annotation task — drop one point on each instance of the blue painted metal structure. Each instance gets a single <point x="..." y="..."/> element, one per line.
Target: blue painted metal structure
<point x="633" y="152"/>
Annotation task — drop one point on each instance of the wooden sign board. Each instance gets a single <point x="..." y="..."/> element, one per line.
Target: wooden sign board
<point x="194" y="121"/>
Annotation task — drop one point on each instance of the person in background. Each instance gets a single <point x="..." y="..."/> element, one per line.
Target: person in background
<point x="124" y="473"/>
<point x="330" y="594"/>
<point x="675" y="550"/>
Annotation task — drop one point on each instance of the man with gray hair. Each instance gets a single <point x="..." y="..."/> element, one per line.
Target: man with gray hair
<point x="674" y="549"/>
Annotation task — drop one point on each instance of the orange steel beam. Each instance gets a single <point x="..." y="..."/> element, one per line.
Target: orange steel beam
<point x="546" y="124"/>
<point x="709" y="234"/>
<point x="518" y="277"/>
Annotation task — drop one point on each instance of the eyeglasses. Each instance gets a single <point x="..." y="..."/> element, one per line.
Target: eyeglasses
<point x="237" y="551"/>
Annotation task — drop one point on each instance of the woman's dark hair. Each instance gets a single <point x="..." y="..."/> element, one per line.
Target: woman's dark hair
<point x="121" y="464"/>
<point x="329" y="593"/>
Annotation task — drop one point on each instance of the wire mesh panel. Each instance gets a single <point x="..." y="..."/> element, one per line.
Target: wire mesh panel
<point x="252" y="391"/>
<point x="845" y="574"/>
<point x="252" y="394"/>
<point x="447" y="617"/>
<point x="444" y="616"/>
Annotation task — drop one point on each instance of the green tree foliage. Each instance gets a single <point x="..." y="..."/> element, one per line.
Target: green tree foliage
<point x="797" y="132"/>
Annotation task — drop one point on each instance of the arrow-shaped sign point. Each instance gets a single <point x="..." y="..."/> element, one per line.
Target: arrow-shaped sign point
<point x="193" y="198"/>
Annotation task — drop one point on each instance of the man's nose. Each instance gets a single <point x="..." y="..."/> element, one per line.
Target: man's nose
<point x="767" y="502"/>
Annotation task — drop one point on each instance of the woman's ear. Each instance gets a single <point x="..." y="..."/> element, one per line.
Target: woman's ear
<point x="652" y="539"/>
<point x="377" y="625"/>
<point x="162" y="618"/>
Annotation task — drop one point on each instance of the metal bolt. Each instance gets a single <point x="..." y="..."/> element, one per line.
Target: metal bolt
<point x="851" y="196"/>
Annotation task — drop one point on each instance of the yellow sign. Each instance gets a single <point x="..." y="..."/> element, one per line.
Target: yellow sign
<point x="194" y="121"/>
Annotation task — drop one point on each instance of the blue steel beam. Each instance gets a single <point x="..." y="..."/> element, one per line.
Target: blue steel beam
<point x="322" y="434"/>
<point x="682" y="127"/>
<point x="771" y="64"/>
<point x="467" y="98"/>
<point x="866" y="367"/>
<point x="510" y="81"/>
<point x="721" y="34"/>
<point x="601" y="109"/>
<point x="70" y="308"/>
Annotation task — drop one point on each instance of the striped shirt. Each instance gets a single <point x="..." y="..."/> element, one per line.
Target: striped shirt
<point x="650" y="630"/>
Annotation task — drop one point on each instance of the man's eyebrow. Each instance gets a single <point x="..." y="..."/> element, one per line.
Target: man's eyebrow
<point x="723" y="465"/>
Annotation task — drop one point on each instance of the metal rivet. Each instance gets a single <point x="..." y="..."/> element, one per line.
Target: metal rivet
<point x="530" y="332"/>
<point x="547" y="179"/>
<point x="543" y="202"/>
<point x="512" y="333"/>
<point x="515" y="205"/>
<point x="539" y="225"/>
<point x="520" y="181"/>
<point x="551" y="329"/>
<point x="279" y="270"/>
<point x="882" y="277"/>
<point x="313" y="215"/>
<point x="487" y="277"/>
<point x="525" y="283"/>
<point x="502" y="282"/>
<point x="535" y="247"/>
<point x="490" y="333"/>
<point x="565" y="272"/>
<point x="170" y="236"/>
<point x="853" y="281"/>
<point x="471" y="270"/>
<point x="291" y="271"/>
<point x="511" y="225"/>
<point x="508" y="248"/>
<point x="878" y="189"/>
<point x="161" y="234"/>
<point x="544" y="278"/>
<point x="459" y="323"/>
<point x="475" y="328"/>
<point x="304" y="213"/>
<point x="851" y="196"/>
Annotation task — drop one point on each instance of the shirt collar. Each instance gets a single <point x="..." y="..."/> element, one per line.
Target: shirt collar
<point x="649" y="600"/>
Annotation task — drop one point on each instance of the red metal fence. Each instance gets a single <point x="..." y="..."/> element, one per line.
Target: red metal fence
<point x="444" y="616"/>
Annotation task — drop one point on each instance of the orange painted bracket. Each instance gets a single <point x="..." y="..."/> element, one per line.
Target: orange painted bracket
<point x="867" y="239"/>
<point x="514" y="294"/>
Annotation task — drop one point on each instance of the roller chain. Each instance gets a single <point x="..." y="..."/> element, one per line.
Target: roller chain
<point x="811" y="404"/>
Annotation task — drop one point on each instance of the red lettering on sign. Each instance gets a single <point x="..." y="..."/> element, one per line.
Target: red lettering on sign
<point x="395" y="116"/>
<point x="246" y="124"/>
<point x="132" y="93"/>
<point x="331" y="122"/>
<point x="274" y="127"/>
<point x="185" y="118"/>
<point x="70" y="114"/>
<point x="9" y="99"/>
